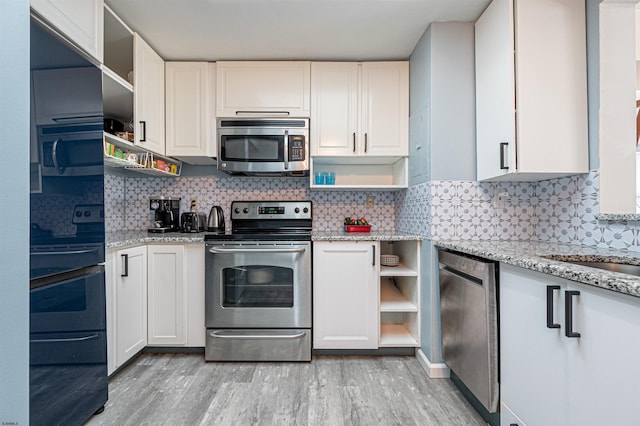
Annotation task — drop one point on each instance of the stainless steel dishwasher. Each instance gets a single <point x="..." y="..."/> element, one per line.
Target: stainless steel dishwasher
<point x="469" y="320"/>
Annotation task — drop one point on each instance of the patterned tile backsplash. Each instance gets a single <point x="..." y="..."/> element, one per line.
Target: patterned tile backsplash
<point x="556" y="210"/>
<point x="127" y="199"/>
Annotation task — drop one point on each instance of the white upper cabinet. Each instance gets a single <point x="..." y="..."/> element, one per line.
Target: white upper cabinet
<point x="81" y="21"/>
<point x="359" y="108"/>
<point x="190" y="120"/>
<point x="334" y="108"/>
<point x="148" y="82"/>
<point x="531" y="90"/>
<point x="250" y="88"/>
<point x="67" y="95"/>
<point x="384" y="108"/>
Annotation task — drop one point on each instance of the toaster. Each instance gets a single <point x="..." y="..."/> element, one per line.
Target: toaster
<point x="193" y="222"/>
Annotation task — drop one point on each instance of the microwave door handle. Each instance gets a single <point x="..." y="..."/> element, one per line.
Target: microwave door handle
<point x="54" y="156"/>
<point x="286" y="150"/>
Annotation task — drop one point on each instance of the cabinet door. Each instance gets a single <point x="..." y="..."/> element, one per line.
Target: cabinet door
<point x="167" y="295"/>
<point x="188" y="112"/>
<point x="278" y="88"/>
<point x="80" y="20"/>
<point x="148" y="96"/>
<point x="603" y="361"/>
<point x="67" y="95"/>
<point x="334" y="108"/>
<point x="533" y="358"/>
<point x="384" y="108"/>
<point x="131" y="302"/>
<point x="345" y="295"/>
<point x="495" y="93"/>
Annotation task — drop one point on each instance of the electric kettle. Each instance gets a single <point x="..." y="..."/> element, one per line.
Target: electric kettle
<point x="216" y="220"/>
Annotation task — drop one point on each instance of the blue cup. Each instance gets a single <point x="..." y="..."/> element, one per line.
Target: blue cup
<point x="319" y="178"/>
<point x="330" y="179"/>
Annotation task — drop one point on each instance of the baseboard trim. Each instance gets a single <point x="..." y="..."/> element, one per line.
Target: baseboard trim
<point x="434" y="370"/>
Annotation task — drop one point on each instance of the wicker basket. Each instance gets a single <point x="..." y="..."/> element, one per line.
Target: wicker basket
<point x="389" y="260"/>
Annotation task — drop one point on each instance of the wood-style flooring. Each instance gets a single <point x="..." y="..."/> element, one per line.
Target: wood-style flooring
<point x="183" y="389"/>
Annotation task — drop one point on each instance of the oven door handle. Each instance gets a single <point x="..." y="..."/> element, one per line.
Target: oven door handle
<point x="277" y="250"/>
<point x="256" y="336"/>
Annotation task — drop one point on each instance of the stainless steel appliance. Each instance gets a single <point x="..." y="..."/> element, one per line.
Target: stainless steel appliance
<point x="193" y="222"/>
<point x="216" y="220"/>
<point x="264" y="146"/>
<point x="166" y="214"/>
<point x="258" y="284"/>
<point x="469" y="320"/>
<point x="67" y="348"/>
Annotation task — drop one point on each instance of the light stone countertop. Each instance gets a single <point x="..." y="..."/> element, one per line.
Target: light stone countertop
<point x="528" y="254"/>
<point x="124" y="239"/>
<point x="364" y="236"/>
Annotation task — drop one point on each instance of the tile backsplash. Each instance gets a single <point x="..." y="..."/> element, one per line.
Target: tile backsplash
<point x="127" y="199"/>
<point x="556" y="210"/>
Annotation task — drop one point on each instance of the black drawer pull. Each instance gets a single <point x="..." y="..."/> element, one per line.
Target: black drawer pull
<point x="568" y="313"/>
<point x="125" y="265"/>
<point x="550" y="290"/>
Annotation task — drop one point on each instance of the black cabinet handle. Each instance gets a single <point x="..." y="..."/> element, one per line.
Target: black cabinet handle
<point x="365" y="142"/>
<point x="125" y="264"/>
<point x="354" y="142"/>
<point x="144" y="131"/>
<point x="374" y="255"/>
<point x="503" y="155"/>
<point x="550" y="290"/>
<point x="568" y="313"/>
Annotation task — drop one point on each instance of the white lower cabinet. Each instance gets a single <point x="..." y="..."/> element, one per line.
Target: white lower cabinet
<point x="167" y="316"/>
<point x="548" y="378"/>
<point x="155" y="297"/>
<point x="126" y="304"/>
<point x="345" y="294"/>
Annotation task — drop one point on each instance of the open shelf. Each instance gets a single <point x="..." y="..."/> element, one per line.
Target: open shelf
<point x="401" y="270"/>
<point x="395" y="335"/>
<point x="361" y="172"/>
<point x="122" y="153"/>
<point x="392" y="300"/>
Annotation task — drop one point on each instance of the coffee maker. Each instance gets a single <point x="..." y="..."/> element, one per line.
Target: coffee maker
<point x="166" y="214"/>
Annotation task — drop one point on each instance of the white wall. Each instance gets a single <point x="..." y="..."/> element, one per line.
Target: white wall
<point x="14" y="191"/>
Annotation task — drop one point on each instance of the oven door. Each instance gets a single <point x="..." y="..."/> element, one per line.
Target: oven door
<point x="258" y="285"/>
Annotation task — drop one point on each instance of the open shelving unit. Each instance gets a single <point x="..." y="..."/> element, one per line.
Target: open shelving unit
<point x="132" y="157"/>
<point x="362" y="172"/>
<point x="400" y="296"/>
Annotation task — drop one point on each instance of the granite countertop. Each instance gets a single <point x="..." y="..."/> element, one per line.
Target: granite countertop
<point x="122" y="239"/>
<point x="529" y="255"/>
<point x="364" y="236"/>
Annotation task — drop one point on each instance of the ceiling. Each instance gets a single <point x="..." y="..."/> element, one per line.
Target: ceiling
<point x="288" y="29"/>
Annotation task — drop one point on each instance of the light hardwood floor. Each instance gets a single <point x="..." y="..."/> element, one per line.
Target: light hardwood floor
<point x="183" y="389"/>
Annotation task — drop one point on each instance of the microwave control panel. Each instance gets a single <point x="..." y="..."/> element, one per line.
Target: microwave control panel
<point x="296" y="148"/>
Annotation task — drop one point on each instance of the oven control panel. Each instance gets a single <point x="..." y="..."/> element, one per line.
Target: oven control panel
<point x="271" y="210"/>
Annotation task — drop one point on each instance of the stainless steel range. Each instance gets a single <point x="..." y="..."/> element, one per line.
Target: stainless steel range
<point x="258" y="284"/>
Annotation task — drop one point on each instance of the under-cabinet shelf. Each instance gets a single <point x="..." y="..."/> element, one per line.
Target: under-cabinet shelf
<point x="362" y="172"/>
<point x="392" y="300"/>
<point x="396" y="335"/>
<point x="118" y="153"/>
<point x="401" y="270"/>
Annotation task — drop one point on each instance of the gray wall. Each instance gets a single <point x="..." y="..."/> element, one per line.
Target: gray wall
<point x="14" y="189"/>
<point x="442" y="90"/>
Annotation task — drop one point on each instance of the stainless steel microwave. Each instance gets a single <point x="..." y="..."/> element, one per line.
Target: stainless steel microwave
<point x="263" y="146"/>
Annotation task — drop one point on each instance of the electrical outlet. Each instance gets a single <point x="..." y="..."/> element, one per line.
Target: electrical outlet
<point x="193" y="202"/>
<point x="500" y="199"/>
<point x="369" y="203"/>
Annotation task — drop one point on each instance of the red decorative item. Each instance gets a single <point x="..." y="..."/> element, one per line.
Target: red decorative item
<point x="357" y="228"/>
